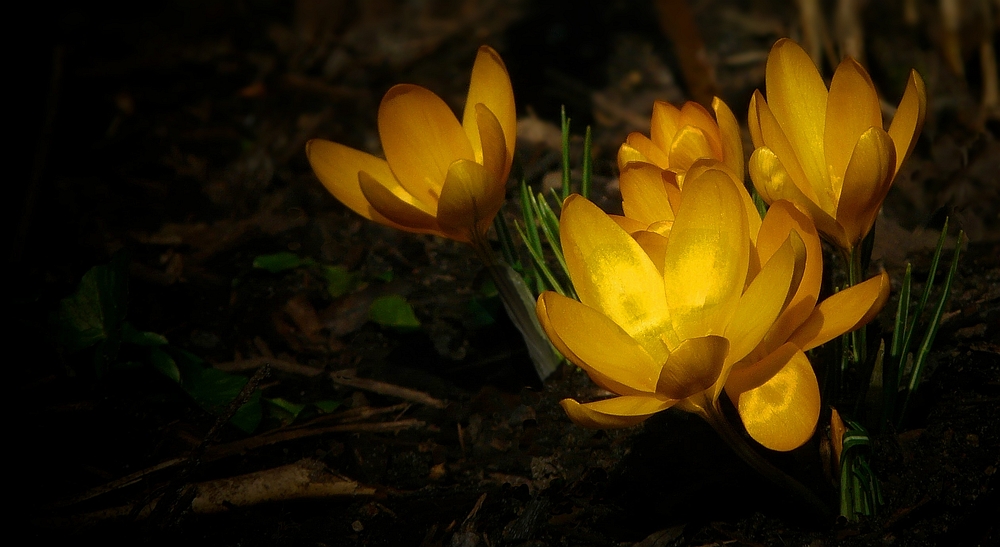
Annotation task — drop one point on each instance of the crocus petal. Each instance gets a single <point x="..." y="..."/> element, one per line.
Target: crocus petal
<point x="407" y="214"/>
<point x="649" y="151"/>
<point x="783" y="218"/>
<point x="690" y="144"/>
<point x="606" y="383"/>
<point x="753" y="216"/>
<point x="797" y="96"/>
<point x="337" y="167"/>
<point x="695" y="115"/>
<point x="909" y="118"/>
<point x="773" y="183"/>
<point x="781" y="414"/>
<point x="732" y="141"/>
<point x="664" y="124"/>
<point x="612" y="273"/>
<point x="866" y="183"/>
<point x="630" y="225"/>
<point x="616" y="412"/>
<point x="773" y="136"/>
<point x="843" y="312"/>
<point x="852" y="109"/>
<point x="421" y="138"/>
<point x="470" y="198"/>
<point x="655" y="246"/>
<point x="600" y="344"/>
<point x="644" y="193"/>
<point x="766" y="297"/>
<point x="495" y="155"/>
<point x="693" y="366"/>
<point x="627" y="154"/>
<point x="490" y="87"/>
<point x="707" y="256"/>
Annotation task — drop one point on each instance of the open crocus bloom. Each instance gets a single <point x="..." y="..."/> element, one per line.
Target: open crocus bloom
<point x="440" y="176"/>
<point x="678" y="137"/>
<point x="721" y="300"/>
<point x="826" y="150"/>
<point x="665" y="339"/>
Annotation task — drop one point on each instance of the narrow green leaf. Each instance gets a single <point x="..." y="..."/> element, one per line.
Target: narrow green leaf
<point x="588" y="164"/>
<point x="164" y="363"/>
<point x="327" y="406"/>
<point x="530" y="234"/>
<point x="280" y="262"/>
<point x="284" y="410"/>
<point x="565" y="152"/>
<point x="928" y="286"/>
<point x="339" y="281"/>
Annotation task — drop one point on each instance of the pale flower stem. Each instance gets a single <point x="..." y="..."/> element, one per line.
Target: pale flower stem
<point x="519" y="303"/>
<point x="859" y="345"/>
<point x="715" y="418"/>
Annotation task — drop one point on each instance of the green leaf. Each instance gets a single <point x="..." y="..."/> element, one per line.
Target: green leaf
<point x="384" y="277"/>
<point x="280" y="262"/>
<point x="214" y="389"/>
<point x="285" y="410"/>
<point x="130" y="335"/>
<point x="339" y="281"/>
<point x="326" y="406"/>
<point x="165" y="364"/>
<point x="393" y="311"/>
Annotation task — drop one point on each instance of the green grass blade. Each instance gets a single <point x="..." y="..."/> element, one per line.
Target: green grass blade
<point x="507" y="248"/>
<point x="588" y="164"/>
<point x="538" y="260"/>
<point x="530" y="233"/>
<point x="565" y="153"/>
<point x="550" y="228"/>
<point x="925" y="295"/>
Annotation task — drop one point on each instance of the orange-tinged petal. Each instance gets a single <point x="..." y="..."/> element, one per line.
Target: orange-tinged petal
<point x="843" y="312"/>
<point x="407" y="214"/>
<point x="490" y="87"/>
<point x="732" y="141"/>
<point x="630" y="225"/>
<point x="337" y="167"/>
<point x="495" y="155"/>
<point x="627" y="154"/>
<point x="664" y="124"/>
<point x="866" y="183"/>
<point x="606" y="383"/>
<point x="470" y="199"/>
<point x="600" y="344"/>
<point x="783" y="218"/>
<point x="774" y="137"/>
<point x="797" y="96"/>
<point x="782" y="413"/>
<point x="616" y="412"/>
<point x="695" y="115"/>
<point x="773" y="183"/>
<point x="655" y="246"/>
<point x="852" y="109"/>
<point x="707" y="256"/>
<point x="692" y="367"/>
<point x="644" y="193"/>
<point x="753" y="216"/>
<point x="909" y="118"/>
<point x="690" y="144"/>
<point x="649" y="151"/>
<point x="766" y="297"/>
<point x="421" y="138"/>
<point x="613" y="274"/>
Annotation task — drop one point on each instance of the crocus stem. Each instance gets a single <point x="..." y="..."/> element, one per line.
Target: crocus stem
<point x="715" y="418"/>
<point x="855" y="275"/>
<point x="520" y="305"/>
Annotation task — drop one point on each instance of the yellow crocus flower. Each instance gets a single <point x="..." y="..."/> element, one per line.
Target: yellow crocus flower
<point x="679" y="137"/>
<point x="826" y="150"/>
<point x="440" y="176"/>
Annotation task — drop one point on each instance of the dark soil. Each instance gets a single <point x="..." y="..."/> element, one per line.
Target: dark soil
<point x="175" y="132"/>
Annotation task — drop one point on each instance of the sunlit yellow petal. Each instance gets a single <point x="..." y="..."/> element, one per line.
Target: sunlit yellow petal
<point x="664" y="124"/>
<point x="616" y="412"/>
<point x="843" y="312"/>
<point x="644" y="193"/>
<point x="655" y="246"/>
<point x="406" y="214"/>
<point x="652" y="153"/>
<point x="690" y="144"/>
<point x="866" y="183"/>
<point x="627" y="154"/>
<point x="693" y="366"/>
<point x="732" y="141"/>
<point x="612" y="273"/>
<point x="797" y="96"/>
<point x="421" y="138"/>
<point x="773" y="136"/>
<point x="337" y="166"/>
<point x="753" y="216"/>
<point x="605" y="382"/>
<point x="773" y="183"/>
<point x="630" y="225"/>
<point x="707" y="256"/>
<point x="470" y="199"/>
<point x="766" y="297"/>
<point x="782" y="413"/>
<point x="495" y="156"/>
<point x="695" y="115"/>
<point x="852" y="109"/>
<point x="909" y="118"/>
<point x="490" y="87"/>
